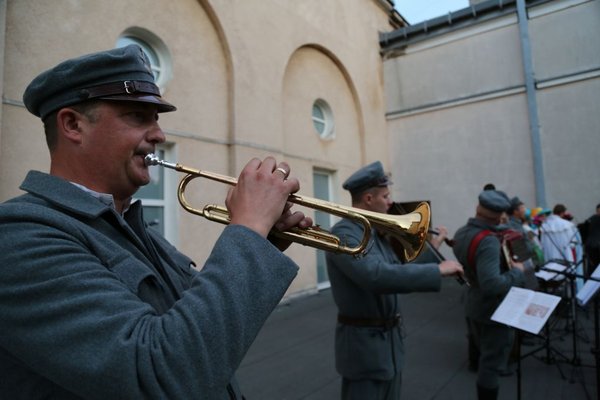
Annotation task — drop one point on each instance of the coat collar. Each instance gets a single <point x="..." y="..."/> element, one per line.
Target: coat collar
<point x="63" y="194"/>
<point x="479" y="223"/>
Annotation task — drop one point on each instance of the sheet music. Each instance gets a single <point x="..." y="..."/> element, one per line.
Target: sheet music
<point x="525" y="309"/>
<point x="552" y="276"/>
<point x="589" y="289"/>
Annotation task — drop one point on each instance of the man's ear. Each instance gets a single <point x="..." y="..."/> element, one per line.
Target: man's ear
<point x="69" y="124"/>
<point x="368" y="198"/>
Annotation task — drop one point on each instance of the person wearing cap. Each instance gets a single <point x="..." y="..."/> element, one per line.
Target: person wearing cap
<point x="516" y="214"/>
<point x="538" y="216"/>
<point x="95" y="304"/>
<point x="369" y="350"/>
<point x="490" y="280"/>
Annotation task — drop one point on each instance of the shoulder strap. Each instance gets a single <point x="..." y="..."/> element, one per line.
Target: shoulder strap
<point x="473" y="246"/>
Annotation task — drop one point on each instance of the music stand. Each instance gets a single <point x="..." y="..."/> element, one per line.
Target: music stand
<point x="590" y="291"/>
<point x="582" y="297"/>
<point x="571" y="259"/>
<point x="525" y="310"/>
<point x="565" y="273"/>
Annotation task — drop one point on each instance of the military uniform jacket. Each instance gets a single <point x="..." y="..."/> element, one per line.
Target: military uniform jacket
<point x="368" y="287"/>
<point x="489" y="284"/>
<point x="96" y="306"/>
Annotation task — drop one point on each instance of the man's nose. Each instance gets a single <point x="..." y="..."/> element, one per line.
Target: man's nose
<point x="156" y="134"/>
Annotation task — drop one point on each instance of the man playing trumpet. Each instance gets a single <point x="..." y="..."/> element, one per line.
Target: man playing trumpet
<point x="95" y="304"/>
<point x="369" y="348"/>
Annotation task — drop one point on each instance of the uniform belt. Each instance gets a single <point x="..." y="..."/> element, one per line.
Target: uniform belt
<point x="386" y="323"/>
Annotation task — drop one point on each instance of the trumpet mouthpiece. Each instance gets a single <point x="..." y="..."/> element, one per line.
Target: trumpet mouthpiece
<point x="151" y="159"/>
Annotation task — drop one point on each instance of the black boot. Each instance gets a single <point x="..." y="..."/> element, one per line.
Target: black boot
<point x="484" y="393"/>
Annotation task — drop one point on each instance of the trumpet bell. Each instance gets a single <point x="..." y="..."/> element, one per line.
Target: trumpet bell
<point x="409" y="232"/>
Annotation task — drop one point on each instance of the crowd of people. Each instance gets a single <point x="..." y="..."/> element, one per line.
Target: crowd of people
<point x="501" y="247"/>
<point x="97" y="305"/>
<point x="539" y="237"/>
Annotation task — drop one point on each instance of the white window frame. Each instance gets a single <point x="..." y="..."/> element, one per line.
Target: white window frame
<point x="330" y="175"/>
<point x="169" y="202"/>
<point x="328" y="132"/>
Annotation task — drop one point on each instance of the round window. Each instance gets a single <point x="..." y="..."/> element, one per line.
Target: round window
<point x="322" y="118"/>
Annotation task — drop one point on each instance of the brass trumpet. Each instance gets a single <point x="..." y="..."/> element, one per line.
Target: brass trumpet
<point x="409" y="229"/>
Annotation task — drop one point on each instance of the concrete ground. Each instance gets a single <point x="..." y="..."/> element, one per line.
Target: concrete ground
<point x="292" y="357"/>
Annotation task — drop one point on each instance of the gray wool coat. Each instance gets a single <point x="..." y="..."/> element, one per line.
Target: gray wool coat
<point x="489" y="284"/>
<point x="97" y="306"/>
<point x="369" y="287"/>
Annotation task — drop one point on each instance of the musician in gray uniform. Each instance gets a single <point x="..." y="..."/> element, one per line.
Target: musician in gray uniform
<point x="489" y="280"/>
<point x="369" y="350"/>
<point x="95" y="304"/>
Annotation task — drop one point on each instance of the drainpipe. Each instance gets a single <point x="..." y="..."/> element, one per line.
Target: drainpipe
<point x="534" y="126"/>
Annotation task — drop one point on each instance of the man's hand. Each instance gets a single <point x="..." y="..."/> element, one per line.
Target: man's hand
<point x="286" y="221"/>
<point x="437" y="240"/>
<point x="259" y="200"/>
<point x="517" y="265"/>
<point x="451" y="268"/>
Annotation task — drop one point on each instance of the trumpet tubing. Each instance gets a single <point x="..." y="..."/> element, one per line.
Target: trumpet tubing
<point x="409" y="229"/>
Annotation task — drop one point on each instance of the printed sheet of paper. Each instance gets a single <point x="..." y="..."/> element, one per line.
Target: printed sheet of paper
<point x="525" y="309"/>
<point x="589" y="289"/>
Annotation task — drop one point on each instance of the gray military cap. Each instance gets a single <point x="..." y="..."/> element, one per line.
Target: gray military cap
<point x="369" y="176"/>
<point x="515" y="202"/>
<point x="494" y="200"/>
<point x="121" y="74"/>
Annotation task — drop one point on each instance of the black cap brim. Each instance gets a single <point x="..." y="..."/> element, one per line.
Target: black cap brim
<point x="162" y="106"/>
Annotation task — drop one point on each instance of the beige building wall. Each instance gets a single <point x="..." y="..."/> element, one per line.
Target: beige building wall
<point x="458" y="115"/>
<point x="245" y="74"/>
<point x="566" y="57"/>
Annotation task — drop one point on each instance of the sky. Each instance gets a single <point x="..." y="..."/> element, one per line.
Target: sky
<point x="415" y="11"/>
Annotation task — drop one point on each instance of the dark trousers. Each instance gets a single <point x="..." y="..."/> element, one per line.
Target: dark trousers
<point x="494" y="342"/>
<point x="593" y="256"/>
